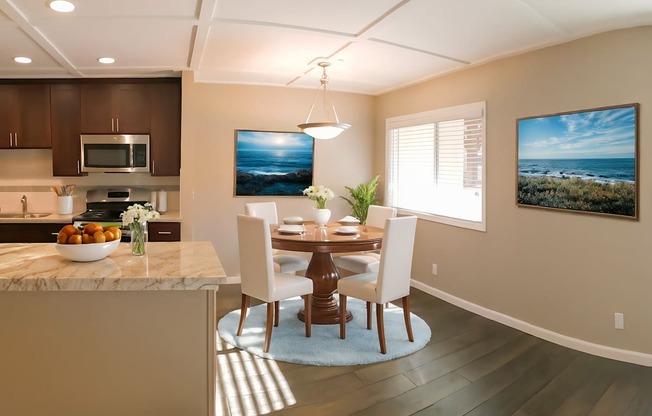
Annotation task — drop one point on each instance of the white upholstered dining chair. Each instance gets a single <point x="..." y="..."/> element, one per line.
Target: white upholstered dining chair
<point x="260" y="281"/>
<point x="390" y="282"/>
<point x="286" y="263"/>
<point x="365" y="262"/>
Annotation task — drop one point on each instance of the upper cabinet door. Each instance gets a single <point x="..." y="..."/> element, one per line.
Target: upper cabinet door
<point x="25" y="116"/>
<point x="66" y="129"/>
<point x="131" y="108"/>
<point x="96" y="109"/>
<point x="33" y="117"/>
<point x="115" y="108"/>
<point x="6" y="116"/>
<point x="165" y="140"/>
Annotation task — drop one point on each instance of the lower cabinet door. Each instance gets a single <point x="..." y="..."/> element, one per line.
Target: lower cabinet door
<point x="29" y="232"/>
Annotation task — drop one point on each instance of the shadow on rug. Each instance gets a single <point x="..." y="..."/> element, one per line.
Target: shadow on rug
<point x="289" y="342"/>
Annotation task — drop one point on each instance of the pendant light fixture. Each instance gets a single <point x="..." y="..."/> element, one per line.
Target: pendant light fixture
<point x="329" y="127"/>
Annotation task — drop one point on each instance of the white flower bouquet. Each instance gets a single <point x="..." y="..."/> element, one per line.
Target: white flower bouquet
<point x="139" y="213"/>
<point x="319" y="194"/>
<point x="136" y="217"/>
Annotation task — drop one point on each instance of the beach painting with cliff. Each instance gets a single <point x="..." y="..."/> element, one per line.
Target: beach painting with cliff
<point x="270" y="163"/>
<point x="582" y="161"/>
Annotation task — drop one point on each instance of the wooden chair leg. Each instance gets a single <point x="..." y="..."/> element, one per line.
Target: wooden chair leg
<point x="268" y="326"/>
<point x="307" y="308"/>
<point x="276" y="312"/>
<point x="342" y="316"/>
<point x="406" y="315"/>
<point x="244" y="305"/>
<point x="381" y="327"/>
<point x="369" y="306"/>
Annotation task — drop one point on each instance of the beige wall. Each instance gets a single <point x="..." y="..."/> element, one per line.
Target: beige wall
<point x="212" y="112"/>
<point x="561" y="271"/>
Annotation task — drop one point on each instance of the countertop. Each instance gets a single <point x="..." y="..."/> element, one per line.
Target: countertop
<point x="189" y="265"/>
<point x="169" y="216"/>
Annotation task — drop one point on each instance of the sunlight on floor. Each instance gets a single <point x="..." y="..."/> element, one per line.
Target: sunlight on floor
<point x="248" y="385"/>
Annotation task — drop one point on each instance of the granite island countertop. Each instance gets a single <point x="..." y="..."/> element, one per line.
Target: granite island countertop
<point x="186" y="265"/>
<point x="169" y="216"/>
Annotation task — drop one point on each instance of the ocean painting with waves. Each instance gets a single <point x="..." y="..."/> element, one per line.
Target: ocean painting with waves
<point x="582" y="161"/>
<point x="272" y="163"/>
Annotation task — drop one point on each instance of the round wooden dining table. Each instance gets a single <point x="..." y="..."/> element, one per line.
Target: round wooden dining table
<point x="322" y="242"/>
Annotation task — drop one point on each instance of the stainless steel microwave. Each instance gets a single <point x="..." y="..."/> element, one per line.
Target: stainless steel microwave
<point x="115" y="152"/>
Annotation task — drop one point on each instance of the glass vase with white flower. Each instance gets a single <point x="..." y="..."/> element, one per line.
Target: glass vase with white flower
<point x="320" y="194"/>
<point x="136" y="217"/>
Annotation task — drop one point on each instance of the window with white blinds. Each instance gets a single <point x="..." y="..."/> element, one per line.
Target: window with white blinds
<point x="436" y="163"/>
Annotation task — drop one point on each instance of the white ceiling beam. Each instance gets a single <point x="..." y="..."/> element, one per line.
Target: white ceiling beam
<point x="19" y="19"/>
<point x="200" y="33"/>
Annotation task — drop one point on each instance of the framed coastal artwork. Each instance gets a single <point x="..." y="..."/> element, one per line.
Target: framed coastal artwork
<point x="272" y="163"/>
<point x="581" y="161"/>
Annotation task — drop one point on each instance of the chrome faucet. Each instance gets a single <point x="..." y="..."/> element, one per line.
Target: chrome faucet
<point x="23" y="201"/>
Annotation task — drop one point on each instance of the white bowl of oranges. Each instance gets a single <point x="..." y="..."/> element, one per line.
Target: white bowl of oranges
<point x="90" y="244"/>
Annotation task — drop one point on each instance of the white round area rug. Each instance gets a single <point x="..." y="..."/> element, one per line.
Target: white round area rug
<point x="324" y="347"/>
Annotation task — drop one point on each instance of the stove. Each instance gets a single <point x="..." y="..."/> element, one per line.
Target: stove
<point x="104" y="206"/>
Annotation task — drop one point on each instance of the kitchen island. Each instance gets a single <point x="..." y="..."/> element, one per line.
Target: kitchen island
<point x="124" y="335"/>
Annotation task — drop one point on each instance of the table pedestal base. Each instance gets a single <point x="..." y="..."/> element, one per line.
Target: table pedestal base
<point x="325" y="311"/>
<point x="324" y="275"/>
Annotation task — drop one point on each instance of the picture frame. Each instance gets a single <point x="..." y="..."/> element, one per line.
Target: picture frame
<point x="272" y="163"/>
<point x="583" y="161"/>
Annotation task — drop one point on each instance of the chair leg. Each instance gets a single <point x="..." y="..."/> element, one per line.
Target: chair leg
<point x="381" y="327"/>
<point x="276" y="312"/>
<point x="307" y="308"/>
<point x="342" y="316"/>
<point x="369" y="306"/>
<point x="268" y="326"/>
<point x="244" y="305"/>
<point x="406" y="315"/>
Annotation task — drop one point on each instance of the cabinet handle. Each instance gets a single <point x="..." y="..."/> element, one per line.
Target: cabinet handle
<point x="78" y="167"/>
<point x="153" y="164"/>
<point x="165" y="233"/>
<point x="112" y="128"/>
<point x="11" y="140"/>
<point x="117" y="125"/>
<point x="55" y="234"/>
<point x="16" y="139"/>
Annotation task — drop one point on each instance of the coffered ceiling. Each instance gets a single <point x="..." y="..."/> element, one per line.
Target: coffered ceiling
<point x="374" y="45"/>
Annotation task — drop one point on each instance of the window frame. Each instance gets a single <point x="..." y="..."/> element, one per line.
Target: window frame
<point x="464" y="111"/>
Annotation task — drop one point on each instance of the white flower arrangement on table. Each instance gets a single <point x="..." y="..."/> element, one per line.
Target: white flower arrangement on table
<point x="319" y="194"/>
<point x="137" y="213"/>
<point x="136" y="217"/>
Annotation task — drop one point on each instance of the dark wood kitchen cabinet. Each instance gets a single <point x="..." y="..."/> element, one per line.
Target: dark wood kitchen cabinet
<point x="164" y="231"/>
<point x="110" y="107"/>
<point x="30" y="232"/>
<point x="65" y="111"/>
<point x="25" y="116"/>
<point x="165" y="138"/>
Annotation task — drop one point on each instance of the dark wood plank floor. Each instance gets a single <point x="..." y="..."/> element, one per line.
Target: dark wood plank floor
<point x="471" y="366"/>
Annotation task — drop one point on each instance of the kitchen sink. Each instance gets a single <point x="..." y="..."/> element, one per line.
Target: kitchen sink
<point x="25" y="215"/>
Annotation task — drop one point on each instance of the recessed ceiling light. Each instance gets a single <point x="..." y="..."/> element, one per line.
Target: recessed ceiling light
<point x="62" y="6"/>
<point x="106" y="60"/>
<point x="23" y="60"/>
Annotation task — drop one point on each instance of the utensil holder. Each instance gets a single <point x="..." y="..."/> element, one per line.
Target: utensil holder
<point x="65" y="204"/>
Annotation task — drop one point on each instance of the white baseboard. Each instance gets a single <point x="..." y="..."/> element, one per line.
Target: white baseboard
<point x="633" y="357"/>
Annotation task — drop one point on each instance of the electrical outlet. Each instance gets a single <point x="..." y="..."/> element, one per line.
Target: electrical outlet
<point x="434" y="269"/>
<point x="619" y="321"/>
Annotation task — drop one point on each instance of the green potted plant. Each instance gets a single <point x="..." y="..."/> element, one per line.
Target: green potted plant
<point x="362" y="196"/>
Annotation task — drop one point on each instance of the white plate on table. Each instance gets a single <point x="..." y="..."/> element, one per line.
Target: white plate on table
<point x="347" y="230"/>
<point x="291" y="229"/>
